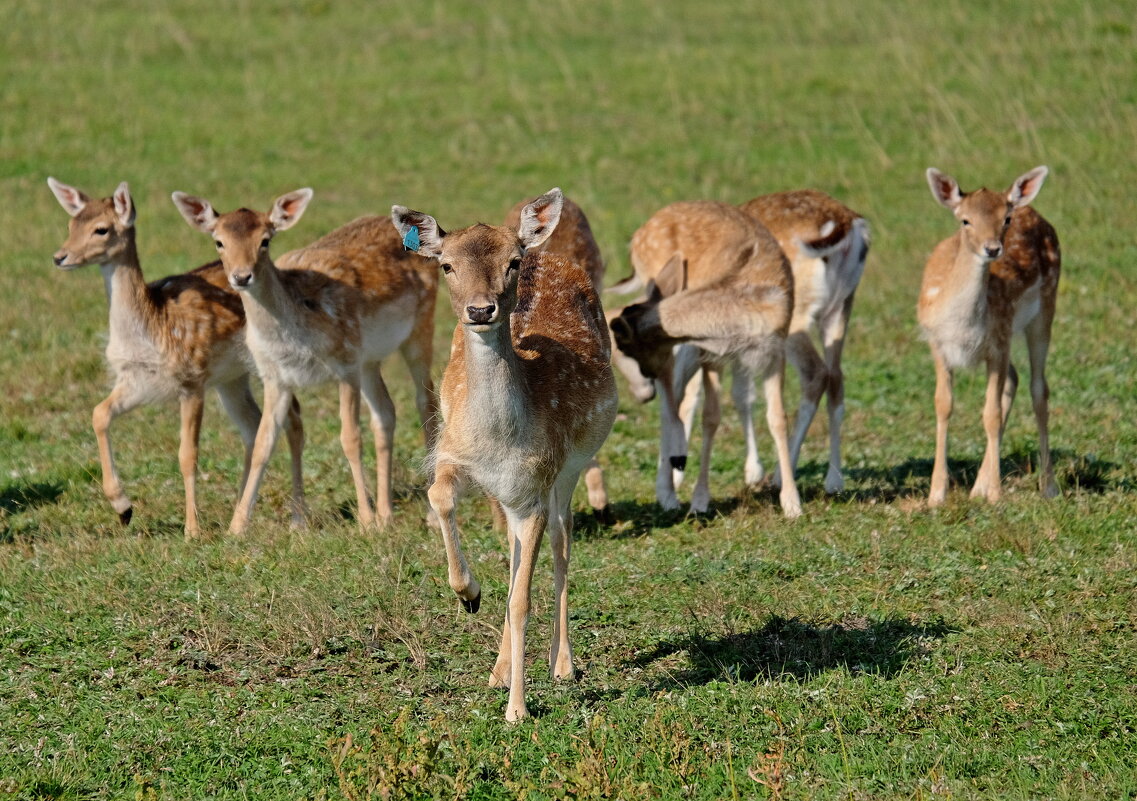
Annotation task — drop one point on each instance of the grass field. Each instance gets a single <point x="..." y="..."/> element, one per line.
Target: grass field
<point x="870" y="649"/>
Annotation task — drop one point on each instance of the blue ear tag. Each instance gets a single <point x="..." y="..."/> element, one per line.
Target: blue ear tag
<point x="411" y="240"/>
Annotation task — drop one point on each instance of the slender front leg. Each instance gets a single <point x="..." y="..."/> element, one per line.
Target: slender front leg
<point x="670" y="432"/>
<point x="192" y="406"/>
<point x="943" y="415"/>
<point x="802" y="354"/>
<point x="502" y="672"/>
<point x="988" y="481"/>
<point x="278" y="400"/>
<point x="528" y="544"/>
<point x="352" y="444"/>
<point x="688" y="382"/>
<point x="833" y="339"/>
<point x="1038" y="343"/>
<point x="712" y="416"/>
<point x="776" y="419"/>
<point x="742" y="392"/>
<point x="560" y="538"/>
<point x="294" y="431"/>
<point x="118" y="402"/>
<point x="239" y="404"/>
<point x="443" y="497"/>
<point x="594" y="482"/>
<point x="382" y="410"/>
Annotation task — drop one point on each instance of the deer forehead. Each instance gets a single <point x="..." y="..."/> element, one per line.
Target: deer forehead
<point x="483" y="246"/>
<point x="95" y="211"/>
<point x="984" y="205"/>
<point x="242" y="224"/>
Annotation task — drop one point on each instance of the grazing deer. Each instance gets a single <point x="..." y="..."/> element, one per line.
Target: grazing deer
<point x="330" y="311"/>
<point x="169" y="339"/>
<point x="826" y="244"/>
<point x="725" y="287"/>
<point x="997" y="275"/>
<point x="527" y="399"/>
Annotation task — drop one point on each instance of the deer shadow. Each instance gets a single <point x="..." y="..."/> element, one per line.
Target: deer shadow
<point x="18" y="498"/>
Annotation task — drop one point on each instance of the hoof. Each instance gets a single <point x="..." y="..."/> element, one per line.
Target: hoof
<point x="472" y="605"/>
<point x="124" y="517"/>
<point x="604" y="515"/>
<point x="679" y="463"/>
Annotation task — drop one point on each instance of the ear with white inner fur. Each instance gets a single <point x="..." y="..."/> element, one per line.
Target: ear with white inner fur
<point x="71" y="199"/>
<point x="198" y="213"/>
<point x="124" y="205"/>
<point x="539" y="218"/>
<point x="426" y="229"/>
<point x="673" y="277"/>
<point x="944" y="189"/>
<point x="288" y="209"/>
<point x="1026" y="186"/>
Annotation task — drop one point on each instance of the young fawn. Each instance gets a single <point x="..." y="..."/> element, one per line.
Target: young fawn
<point x="169" y="339"/>
<point x="997" y="275"/>
<point x="527" y="399"/>
<point x="330" y="311"/>
<point x="725" y="287"/>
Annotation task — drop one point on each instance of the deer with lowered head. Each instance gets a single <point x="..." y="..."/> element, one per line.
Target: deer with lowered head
<point x="330" y="311"/>
<point x="723" y="285"/>
<point x="995" y="276"/>
<point x="169" y="339"/>
<point x="527" y="399"/>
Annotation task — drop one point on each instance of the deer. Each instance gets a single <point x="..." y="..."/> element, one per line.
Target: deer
<point x="996" y="276"/>
<point x="330" y="311"/>
<point x="826" y="244"/>
<point x="169" y="339"/>
<point x="527" y="399"/>
<point x="721" y="284"/>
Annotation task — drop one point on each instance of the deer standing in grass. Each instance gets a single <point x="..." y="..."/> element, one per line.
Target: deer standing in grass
<point x="826" y="244"/>
<point x="997" y="275"/>
<point x="527" y="399"/>
<point x="330" y="311"/>
<point x="171" y="338"/>
<point x="723" y="285"/>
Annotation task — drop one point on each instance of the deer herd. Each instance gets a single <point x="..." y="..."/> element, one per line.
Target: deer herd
<point x="528" y="396"/>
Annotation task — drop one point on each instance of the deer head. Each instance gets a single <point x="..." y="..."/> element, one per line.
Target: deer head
<point x="100" y="231"/>
<point x="984" y="215"/>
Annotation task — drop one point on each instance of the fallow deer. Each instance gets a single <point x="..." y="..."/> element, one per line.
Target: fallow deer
<point x="171" y="338"/>
<point x="330" y="311"/>
<point x="527" y="399"/>
<point x="725" y="287"/>
<point x="995" y="276"/>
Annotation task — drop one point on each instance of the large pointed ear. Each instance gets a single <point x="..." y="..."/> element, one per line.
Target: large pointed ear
<point x="71" y="199"/>
<point x="673" y="277"/>
<point x="1026" y="186"/>
<point x="198" y="213"/>
<point x="288" y="209"/>
<point x="539" y="218"/>
<point x="419" y="232"/>
<point x="944" y="189"/>
<point x="124" y="205"/>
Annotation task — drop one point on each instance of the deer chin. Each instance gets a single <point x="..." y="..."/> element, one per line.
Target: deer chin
<point x="482" y="328"/>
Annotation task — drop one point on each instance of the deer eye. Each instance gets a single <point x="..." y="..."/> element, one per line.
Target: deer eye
<point x="264" y="243"/>
<point x="966" y="222"/>
<point x="1007" y="222"/>
<point x="446" y="268"/>
<point x="219" y="245"/>
<point x="102" y="231"/>
<point x="514" y="264"/>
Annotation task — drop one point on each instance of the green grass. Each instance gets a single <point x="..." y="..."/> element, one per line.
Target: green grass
<point x="871" y="649"/>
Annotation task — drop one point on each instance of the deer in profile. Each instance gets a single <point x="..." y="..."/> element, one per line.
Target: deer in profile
<point x="723" y="285"/>
<point x="169" y="339"/>
<point x="995" y="276"/>
<point x="527" y="399"/>
<point x="330" y="311"/>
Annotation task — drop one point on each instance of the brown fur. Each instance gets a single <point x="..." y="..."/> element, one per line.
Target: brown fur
<point x="572" y="238"/>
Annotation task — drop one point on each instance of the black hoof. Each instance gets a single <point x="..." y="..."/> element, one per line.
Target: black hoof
<point x="473" y="605"/>
<point x="679" y="463"/>
<point x="605" y="516"/>
<point x="124" y="517"/>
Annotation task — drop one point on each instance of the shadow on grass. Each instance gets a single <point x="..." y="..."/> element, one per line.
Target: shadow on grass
<point x="18" y="498"/>
<point x="788" y="648"/>
<point x="630" y="519"/>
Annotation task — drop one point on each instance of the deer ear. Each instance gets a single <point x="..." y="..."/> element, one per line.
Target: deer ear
<point x="288" y="209"/>
<point x="124" y="205"/>
<point x="198" y="213"/>
<point x="1026" y="186"/>
<point x="71" y="199"/>
<point x="539" y="218"/>
<point x="673" y="277"/>
<point x="419" y="232"/>
<point x="944" y="189"/>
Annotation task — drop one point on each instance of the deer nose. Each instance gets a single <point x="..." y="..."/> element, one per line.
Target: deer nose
<point x="480" y="314"/>
<point x="993" y="249"/>
<point x="241" y="279"/>
<point x="59" y="258"/>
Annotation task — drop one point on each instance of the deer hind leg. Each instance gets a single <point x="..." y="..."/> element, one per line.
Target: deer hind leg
<point x="594" y="482"/>
<point x="352" y="444"/>
<point x="1038" y="343"/>
<point x="776" y="419"/>
<point x="278" y="402"/>
<point x="120" y="401"/>
<point x="294" y="432"/>
<point x="833" y="339"/>
<point x="560" y="538"/>
<point x="987" y="483"/>
<point x="743" y="393"/>
<point x="944" y="401"/>
<point x="192" y="406"/>
<point x="383" y="429"/>
<point x="712" y="416"/>
<point x="802" y="354"/>
<point x="416" y="353"/>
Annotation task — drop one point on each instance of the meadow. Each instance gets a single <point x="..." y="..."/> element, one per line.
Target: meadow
<point x="870" y="649"/>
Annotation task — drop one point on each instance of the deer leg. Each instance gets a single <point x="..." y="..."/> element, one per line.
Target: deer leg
<point x="670" y="429"/>
<point x="594" y="482"/>
<point x="833" y="339"/>
<point x="987" y="483"/>
<point x="192" y="406"/>
<point x="743" y="394"/>
<point x="1010" y="387"/>
<point x="689" y="384"/>
<point x="352" y="444"/>
<point x="443" y="496"/>
<point x="560" y="539"/>
<point x="1038" y="343"/>
<point x="294" y="432"/>
<point x="944" y="400"/>
<point x="382" y="411"/>
<point x="278" y="400"/>
<point x="527" y="543"/>
<point x="502" y="672"/>
<point x="120" y="401"/>
<point x="239" y="404"/>
<point x="712" y="416"/>
<point x="416" y="353"/>
<point x="776" y="419"/>
<point x="802" y="354"/>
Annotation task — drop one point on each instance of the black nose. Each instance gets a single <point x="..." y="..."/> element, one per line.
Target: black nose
<point x="59" y="258"/>
<point x="480" y="314"/>
<point x="994" y="250"/>
<point x="242" y="280"/>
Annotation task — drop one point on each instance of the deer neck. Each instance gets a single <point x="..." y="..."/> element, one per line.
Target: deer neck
<point x="267" y="301"/>
<point x="125" y="285"/>
<point x="495" y="391"/>
<point x="971" y="275"/>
